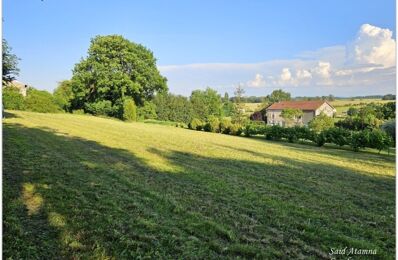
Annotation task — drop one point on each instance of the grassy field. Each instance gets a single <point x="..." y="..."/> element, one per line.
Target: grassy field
<point x="78" y="186"/>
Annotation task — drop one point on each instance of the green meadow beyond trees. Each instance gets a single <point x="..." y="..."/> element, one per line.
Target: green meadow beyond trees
<point x="115" y="69"/>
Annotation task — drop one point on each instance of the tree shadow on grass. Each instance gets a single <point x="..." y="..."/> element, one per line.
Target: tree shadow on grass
<point x="69" y="197"/>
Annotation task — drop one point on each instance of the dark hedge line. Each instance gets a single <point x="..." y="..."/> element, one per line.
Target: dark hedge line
<point x="368" y="138"/>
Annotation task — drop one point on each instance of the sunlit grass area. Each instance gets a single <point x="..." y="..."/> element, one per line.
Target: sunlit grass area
<point x="78" y="186"/>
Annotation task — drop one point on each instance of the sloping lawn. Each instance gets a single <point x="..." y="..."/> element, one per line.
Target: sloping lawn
<point x="77" y="186"/>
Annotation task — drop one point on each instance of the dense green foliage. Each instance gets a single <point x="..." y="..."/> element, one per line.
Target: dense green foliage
<point x="102" y="108"/>
<point x="40" y="101"/>
<point x="205" y="103"/>
<point x="147" y="111"/>
<point x="367" y="117"/>
<point x="83" y="187"/>
<point x="389" y="128"/>
<point x="12" y="99"/>
<point x="212" y="124"/>
<point x="321" y="123"/>
<point x="9" y="63"/>
<point x="196" y="124"/>
<point x="277" y="96"/>
<point x="291" y="116"/>
<point x="63" y="95"/>
<point x="129" y="110"/>
<point x="115" y="69"/>
<point x="174" y="108"/>
<point x="225" y="125"/>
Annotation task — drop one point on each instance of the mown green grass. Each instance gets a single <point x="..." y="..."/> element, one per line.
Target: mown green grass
<point x="78" y="186"/>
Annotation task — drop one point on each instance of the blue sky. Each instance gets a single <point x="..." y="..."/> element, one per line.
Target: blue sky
<point x="306" y="47"/>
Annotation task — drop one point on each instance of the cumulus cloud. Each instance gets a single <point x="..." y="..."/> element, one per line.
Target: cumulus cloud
<point x="365" y="64"/>
<point x="286" y="76"/>
<point x="257" y="82"/>
<point x="303" y="74"/>
<point x="373" y="45"/>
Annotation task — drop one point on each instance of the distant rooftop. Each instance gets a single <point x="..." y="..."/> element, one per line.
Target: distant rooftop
<point x="303" y="105"/>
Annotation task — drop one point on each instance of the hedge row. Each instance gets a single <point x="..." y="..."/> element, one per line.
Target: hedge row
<point x="374" y="138"/>
<point x="371" y="138"/>
<point x="216" y="125"/>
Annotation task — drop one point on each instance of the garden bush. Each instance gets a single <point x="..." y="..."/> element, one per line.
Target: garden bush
<point x="379" y="140"/>
<point x="319" y="138"/>
<point x="129" y="110"/>
<point x="100" y="108"/>
<point x="236" y="129"/>
<point x="225" y="125"/>
<point x="359" y="139"/>
<point x="40" y="101"/>
<point x="389" y="128"/>
<point x="147" y="111"/>
<point x="337" y="135"/>
<point x="274" y="132"/>
<point x="212" y="125"/>
<point x="12" y="99"/>
<point x="196" y="124"/>
<point x="290" y="133"/>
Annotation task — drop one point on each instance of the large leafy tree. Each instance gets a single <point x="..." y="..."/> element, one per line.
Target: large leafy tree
<point x="206" y="103"/>
<point x="63" y="95"/>
<point x="115" y="69"/>
<point x="10" y="64"/>
<point x="171" y="107"/>
<point x="278" y="95"/>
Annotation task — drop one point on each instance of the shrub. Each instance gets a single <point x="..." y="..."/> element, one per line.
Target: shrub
<point x="129" y="110"/>
<point x="196" y="124"/>
<point x="100" y="108"/>
<point x="274" y="132"/>
<point x="319" y="138"/>
<point x="389" y="128"/>
<point x="147" y="111"/>
<point x="303" y="133"/>
<point x="337" y="135"/>
<point x="236" y="129"/>
<point x="379" y="140"/>
<point x="212" y="125"/>
<point x="254" y="128"/>
<point x="12" y="99"/>
<point x="320" y="123"/>
<point x="40" y="101"/>
<point x="225" y="125"/>
<point x="359" y="139"/>
<point x="290" y="134"/>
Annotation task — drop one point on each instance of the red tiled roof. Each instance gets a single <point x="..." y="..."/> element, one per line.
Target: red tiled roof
<point x="303" y="105"/>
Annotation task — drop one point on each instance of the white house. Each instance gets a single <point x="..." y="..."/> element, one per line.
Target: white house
<point x="310" y="110"/>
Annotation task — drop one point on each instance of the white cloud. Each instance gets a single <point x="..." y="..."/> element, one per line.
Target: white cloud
<point x="303" y="74"/>
<point x="286" y="76"/>
<point x="323" y="69"/>
<point x="257" y="82"/>
<point x="365" y="65"/>
<point x="373" y="45"/>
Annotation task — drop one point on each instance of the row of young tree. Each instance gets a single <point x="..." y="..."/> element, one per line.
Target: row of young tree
<point x="319" y="131"/>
